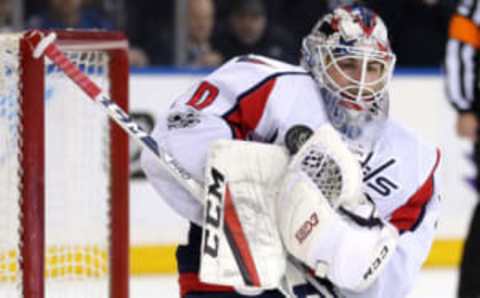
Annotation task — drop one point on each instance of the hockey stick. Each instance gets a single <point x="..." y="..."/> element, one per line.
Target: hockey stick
<point x="44" y="45"/>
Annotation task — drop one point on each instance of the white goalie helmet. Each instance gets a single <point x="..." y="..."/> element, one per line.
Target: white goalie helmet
<point x="349" y="55"/>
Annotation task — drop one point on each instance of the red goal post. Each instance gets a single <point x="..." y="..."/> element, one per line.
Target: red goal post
<point x="65" y="168"/>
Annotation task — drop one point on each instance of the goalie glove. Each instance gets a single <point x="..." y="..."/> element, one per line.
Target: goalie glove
<point x="328" y="164"/>
<point x="324" y="219"/>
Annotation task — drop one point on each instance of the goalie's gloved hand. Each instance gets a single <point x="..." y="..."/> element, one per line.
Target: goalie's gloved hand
<point x="327" y="163"/>
<point x="324" y="218"/>
<point x="322" y="176"/>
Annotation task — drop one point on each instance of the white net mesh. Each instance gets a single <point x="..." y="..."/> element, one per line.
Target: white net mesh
<point x="10" y="171"/>
<point x="77" y="179"/>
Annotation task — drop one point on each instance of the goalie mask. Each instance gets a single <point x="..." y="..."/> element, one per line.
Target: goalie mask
<point x="349" y="55"/>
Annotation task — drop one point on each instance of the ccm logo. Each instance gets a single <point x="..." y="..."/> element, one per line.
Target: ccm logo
<point x="214" y="213"/>
<point x="306" y="228"/>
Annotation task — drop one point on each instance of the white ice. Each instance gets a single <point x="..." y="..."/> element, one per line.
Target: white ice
<point x="434" y="283"/>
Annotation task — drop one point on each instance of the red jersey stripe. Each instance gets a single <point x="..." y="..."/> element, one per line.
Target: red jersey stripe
<point x="407" y="217"/>
<point x="248" y="111"/>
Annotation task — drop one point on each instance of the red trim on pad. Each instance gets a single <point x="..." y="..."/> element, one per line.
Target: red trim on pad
<point x="190" y="283"/>
<point x="239" y="243"/>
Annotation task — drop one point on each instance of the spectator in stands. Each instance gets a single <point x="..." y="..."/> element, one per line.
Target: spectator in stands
<point x="248" y="30"/>
<point x="137" y="57"/>
<point x="299" y="16"/>
<point x="157" y="36"/>
<point x="63" y="14"/>
<point x="68" y="14"/>
<point x="201" y="19"/>
<point x="462" y="81"/>
<point x="149" y="26"/>
<point x="5" y="15"/>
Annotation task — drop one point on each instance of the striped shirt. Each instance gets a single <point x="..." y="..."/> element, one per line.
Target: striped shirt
<point x="461" y="62"/>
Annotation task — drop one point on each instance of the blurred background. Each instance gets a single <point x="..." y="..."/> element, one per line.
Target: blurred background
<point x="174" y="43"/>
<point x="207" y="32"/>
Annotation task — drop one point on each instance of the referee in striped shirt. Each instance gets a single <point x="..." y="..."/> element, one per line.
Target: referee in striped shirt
<point x="462" y="82"/>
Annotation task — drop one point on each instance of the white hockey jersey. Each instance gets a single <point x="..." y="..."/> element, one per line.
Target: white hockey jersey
<point x="260" y="99"/>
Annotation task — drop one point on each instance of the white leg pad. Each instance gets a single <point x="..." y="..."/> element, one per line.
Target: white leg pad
<point x="241" y="246"/>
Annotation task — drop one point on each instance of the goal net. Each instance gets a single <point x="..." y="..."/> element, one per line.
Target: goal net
<point x="63" y="172"/>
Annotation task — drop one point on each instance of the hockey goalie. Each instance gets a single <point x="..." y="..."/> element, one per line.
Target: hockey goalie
<point x="310" y="190"/>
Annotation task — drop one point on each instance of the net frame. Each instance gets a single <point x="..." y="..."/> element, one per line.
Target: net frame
<point x="33" y="164"/>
